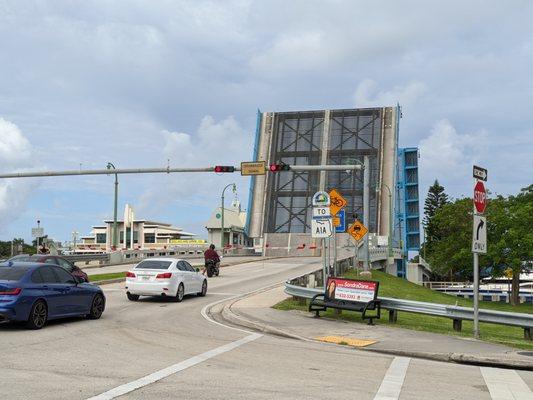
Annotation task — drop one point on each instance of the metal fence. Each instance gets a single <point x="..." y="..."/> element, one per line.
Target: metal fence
<point x="296" y="287"/>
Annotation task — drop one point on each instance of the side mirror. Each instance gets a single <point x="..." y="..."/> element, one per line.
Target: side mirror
<point x="78" y="280"/>
<point x="197" y="269"/>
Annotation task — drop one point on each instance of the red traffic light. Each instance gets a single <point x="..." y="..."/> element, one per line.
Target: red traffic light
<point x="279" y="167"/>
<point x="224" y="168"/>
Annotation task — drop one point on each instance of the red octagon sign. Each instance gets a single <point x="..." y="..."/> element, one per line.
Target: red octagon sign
<point x="480" y="197"/>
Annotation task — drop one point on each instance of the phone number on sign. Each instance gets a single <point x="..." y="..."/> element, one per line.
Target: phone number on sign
<point x="355" y="296"/>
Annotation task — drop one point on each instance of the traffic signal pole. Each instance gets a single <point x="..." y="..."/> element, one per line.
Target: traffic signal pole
<point x="122" y="171"/>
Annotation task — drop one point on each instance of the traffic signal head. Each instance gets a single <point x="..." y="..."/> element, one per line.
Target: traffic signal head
<point x="279" y="167"/>
<point x="224" y="168"/>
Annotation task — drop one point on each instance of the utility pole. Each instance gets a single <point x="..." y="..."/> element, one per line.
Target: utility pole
<point x="115" y="233"/>
<point x="38" y="226"/>
<point x="366" y="209"/>
<point x="74" y="239"/>
<point x="222" y="215"/>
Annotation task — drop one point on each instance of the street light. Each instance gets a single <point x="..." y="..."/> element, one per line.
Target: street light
<point x="222" y="215"/>
<point x="115" y="233"/>
<point x="378" y="189"/>
<point x="355" y="161"/>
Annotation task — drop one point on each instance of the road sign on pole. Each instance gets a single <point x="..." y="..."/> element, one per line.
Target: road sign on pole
<point x="321" y="213"/>
<point x="337" y="202"/>
<point x="479" y="235"/>
<point x="37" y="232"/>
<point x="480" y="197"/>
<point x="357" y="230"/>
<point x="321" y="199"/>
<point x="339" y="222"/>
<point x="321" y="228"/>
<point x="480" y="173"/>
<point x="253" y="168"/>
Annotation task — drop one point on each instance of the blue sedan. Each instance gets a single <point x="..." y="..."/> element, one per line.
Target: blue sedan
<point x="35" y="293"/>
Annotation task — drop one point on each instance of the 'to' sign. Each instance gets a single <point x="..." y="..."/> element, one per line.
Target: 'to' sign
<point x="480" y="197"/>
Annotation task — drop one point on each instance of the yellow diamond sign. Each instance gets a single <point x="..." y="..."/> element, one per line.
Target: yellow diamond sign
<point x="357" y="230"/>
<point x="337" y="202"/>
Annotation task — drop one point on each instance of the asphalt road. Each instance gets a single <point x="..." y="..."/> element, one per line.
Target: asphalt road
<point x="155" y="349"/>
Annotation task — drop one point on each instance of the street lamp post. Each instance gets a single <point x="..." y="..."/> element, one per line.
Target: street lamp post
<point x="378" y="189"/>
<point x="355" y="161"/>
<point x="115" y="236"/>
<point x="222" y="214"/>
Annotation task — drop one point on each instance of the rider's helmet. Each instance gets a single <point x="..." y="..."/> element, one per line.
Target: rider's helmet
<point x="212" y="247"/>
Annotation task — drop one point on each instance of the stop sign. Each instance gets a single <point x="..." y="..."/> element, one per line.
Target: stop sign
<point x="480" y="197"/>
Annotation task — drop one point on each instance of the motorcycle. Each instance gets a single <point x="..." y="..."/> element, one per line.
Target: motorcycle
<point x="211" y="268"/>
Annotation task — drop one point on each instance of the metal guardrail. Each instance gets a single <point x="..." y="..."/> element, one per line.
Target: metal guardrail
<point x="86" y="257"/>
<point x="441" y="310"/>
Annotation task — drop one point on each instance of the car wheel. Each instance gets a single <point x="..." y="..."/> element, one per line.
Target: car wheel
<point x="180" y="293"/>
<point x="204" y="289"/>
<point x="97" y="307"/>
<point x="38" y="315"/>
<point x="132" y="297"/>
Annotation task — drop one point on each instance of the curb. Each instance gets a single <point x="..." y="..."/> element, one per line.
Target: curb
<point x="108" y="281"/>
<point x="233" y="317"/>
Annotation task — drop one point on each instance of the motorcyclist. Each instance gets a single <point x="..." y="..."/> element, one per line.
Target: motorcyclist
<point x="211" y="254"/>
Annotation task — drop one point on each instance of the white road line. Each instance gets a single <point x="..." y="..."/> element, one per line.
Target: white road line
<point x="158" y="375"/>
<point x="392" y="383"/>
<point x="505" y="384"/>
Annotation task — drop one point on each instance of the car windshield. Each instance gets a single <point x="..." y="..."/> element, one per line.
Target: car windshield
<point x="153" y="264"/>
<point x="12" y="273"/>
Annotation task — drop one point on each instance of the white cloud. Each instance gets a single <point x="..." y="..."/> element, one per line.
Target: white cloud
<point x="368" y="95"/>
<point x="15" y="153"/>
<point x="448" y="156"/>
<point x="214" y="143"/>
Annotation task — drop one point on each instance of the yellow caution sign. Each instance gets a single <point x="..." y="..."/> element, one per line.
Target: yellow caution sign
<point x="357" y="230"/>
<point x="337" y="202"/>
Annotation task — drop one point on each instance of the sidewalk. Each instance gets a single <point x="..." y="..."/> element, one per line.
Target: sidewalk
<point x="256" y="312"/>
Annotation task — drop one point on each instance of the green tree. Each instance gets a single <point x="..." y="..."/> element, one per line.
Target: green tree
<point x="510" y="237"/>
<point x="435" y="200"/>
<point x="449" y="251"/>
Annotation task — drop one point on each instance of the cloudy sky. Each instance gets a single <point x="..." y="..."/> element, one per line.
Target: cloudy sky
<point x="151" y="83"/>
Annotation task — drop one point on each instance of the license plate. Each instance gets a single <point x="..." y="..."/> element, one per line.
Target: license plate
<point x="146" y="278"/>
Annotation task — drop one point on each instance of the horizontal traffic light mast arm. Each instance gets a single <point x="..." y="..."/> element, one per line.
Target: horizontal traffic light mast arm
<point x="37" y="174"/>
<point x="326" y="167"/>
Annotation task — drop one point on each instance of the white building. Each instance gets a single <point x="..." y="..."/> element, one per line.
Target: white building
<point x="134" y="234"/>
<point x="234" y="223"/>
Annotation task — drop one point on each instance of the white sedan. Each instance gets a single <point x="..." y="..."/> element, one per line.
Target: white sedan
<point x="165" y="277"/>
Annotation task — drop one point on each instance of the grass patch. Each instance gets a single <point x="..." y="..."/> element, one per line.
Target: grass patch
<point x="102" y="277"/>
<point x="391" y="286"/>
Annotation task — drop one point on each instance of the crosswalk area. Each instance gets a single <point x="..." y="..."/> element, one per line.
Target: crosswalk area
<point x="495" y="383"/>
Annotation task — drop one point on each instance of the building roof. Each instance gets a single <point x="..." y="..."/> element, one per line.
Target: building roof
<point x="232" y="218"/>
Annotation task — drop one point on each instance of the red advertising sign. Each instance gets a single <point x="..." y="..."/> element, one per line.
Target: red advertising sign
<point x="480" y="197"/>
<point x="351" y="290"/>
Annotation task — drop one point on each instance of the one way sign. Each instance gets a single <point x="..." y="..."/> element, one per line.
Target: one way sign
<point x="479" y="236"/>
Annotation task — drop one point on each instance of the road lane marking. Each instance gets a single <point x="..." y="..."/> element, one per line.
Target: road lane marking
<point x="173" y="369"/>
<point x="392" y="383"/>
<point x="505" y="384"/>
